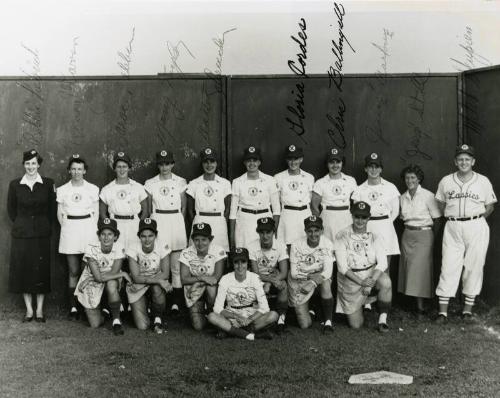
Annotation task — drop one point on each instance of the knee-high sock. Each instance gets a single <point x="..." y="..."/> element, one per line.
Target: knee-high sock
<point x="327" y="305"/>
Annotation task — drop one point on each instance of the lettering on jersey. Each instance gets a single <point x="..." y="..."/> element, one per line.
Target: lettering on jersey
<point x="462" y="195"/>
<point x="76" y="197"/>
<point x="253" y="191"/>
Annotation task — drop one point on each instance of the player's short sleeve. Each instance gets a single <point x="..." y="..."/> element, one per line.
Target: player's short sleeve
<point x="356" y="194"/>
<point x="490" y="196"/>
<point x="259" y="293"/>
<point x="440" y="194"/>
<point x="282" y="252"/>
<point x="253" y="249"/>
<point x="132" y="252"/>
<point x="119" y="251"/>
<point x="191" y="188"/>
<point x="226" y="187"/>
<point x="318" y="187"/>
<point x="235" y="189"/>
<point x="141" y="192"/>
<point x="184" y="256"/>
<point x="219" y="253"/>
<point x="104" y="195"/>
<point x="182" y="184"/>
<point x="272" y="185"/>
<point x="90" y="253"/>
<point x="221" y="294"/>
<point x="164" y="251"/>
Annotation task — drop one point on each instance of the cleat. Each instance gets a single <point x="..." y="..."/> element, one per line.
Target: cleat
<point x="220" y="335"/>
<point x="441" y="319"/>
<point x="73" y="316"/>
<point x="327" y="329"/>
<point x="383" y="328"/>
<point x="118" y="329"/>
<point x="468" y="318"/>
<point x="174" y="310"/>
<point x="158" y="328"/>
<point x="280" y="328"/>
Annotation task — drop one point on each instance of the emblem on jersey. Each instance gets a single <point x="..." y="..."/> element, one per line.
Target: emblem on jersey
<point x="103" y="263"/>
<point x="147" y="221"/>
<point x="264" y="262"/>
<point x="122" y="194"/>
<point x="291" y="148"/>
<point x="374" y="156"/>
<point x="164" y="190"/>
<point x="208" y="191"/>
<point x="145" y="263"/>
<point x="208" y="151"/>
<point x="163" y="153"/>
<point x="106" y="221"/>
<point x="373" y="195"/>
<point x="312" y="218"/>
<point x="310" y="259"/>
<point x="241" y="297"/>
<point x="337" y="190"/>
<point x="120" y="154"/>
<point x="293" y="185"/>
<point x="251" y="149"/>
<point x="253" y="191"/>
<point x="361" y="206"/>
<point x="200" y="226"/>
<point x="202" y="270"/>
<point x="358" y="246"/>
<point x="464" y="147"/>
<point x="76" y="197"/>
<point x="335" y="151"/>
<point x="76" y="156"/>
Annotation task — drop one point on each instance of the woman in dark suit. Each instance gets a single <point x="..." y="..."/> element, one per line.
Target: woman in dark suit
<point x="31" y="207"/>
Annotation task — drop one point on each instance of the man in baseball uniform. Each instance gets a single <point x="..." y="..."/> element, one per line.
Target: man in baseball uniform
<point x="467" y="198"/>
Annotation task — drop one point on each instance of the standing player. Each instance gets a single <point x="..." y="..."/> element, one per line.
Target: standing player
<point x="254" y="195"/>
<point x="295" y="187"/>
<point x="209" y="199"/>
<point x="467" y="198"/>
<point x="77" y="212"/>
<point x="333" y="193"/>
<point x="167" y="202"/>
<point x="311" y="266"/>
<point x="202" y="265"/>
<point x="269" y="259"/>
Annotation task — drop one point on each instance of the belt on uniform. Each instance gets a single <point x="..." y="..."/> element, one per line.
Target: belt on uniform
<point x="166" y="211"/>
<point x="254" y="211"/>
<point x="239" y="307"/>
<point x="362" y="269"/>
<point x="207" y="213"/>
<point x="295" y="207"/>
<point x="78" y="217"/>
<point x="412" y="228"/>
<point x="337" y="207"/>
<point x="116" y="216"/>
<point x="375" y="218"/>
<point x="463" y="218"/>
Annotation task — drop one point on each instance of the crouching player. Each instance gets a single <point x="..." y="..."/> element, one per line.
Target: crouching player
<point x="202" y="265"/>
<point x="150" y="269"/>
<point x="247" y="310"/>
<point x="269" y="259"/>
<point x="103" y="261"/>
<point x="311" y="266"/>
<point x="361" y="262"/>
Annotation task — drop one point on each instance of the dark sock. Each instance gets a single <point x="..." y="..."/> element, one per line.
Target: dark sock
<point x="73" y="300"/>
<point x="238" y="332"/>
<point x="178" y="296"/>
<point x="281" y="308"/>
<point x="114" y="307"/>
<point x="327" y="305"/>
<point x="383" y="307"/>
<point x="157" y="309"/>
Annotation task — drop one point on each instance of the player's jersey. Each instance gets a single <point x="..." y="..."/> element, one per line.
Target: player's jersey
<point x="306" y="260"/>
<point x="149" y="263"/>
<point x="202" y="266"/>
<point x="166" y="194"/>
<point x="335" y="192"/>
<point x="379" y="197"/>
<point x="78" y="200"/>
<point x="465" y="199"/>
<point x="267" y="260"/>
<point x="209" y="195"/>
<point x="295" y="190"/>
<point x="123" y="199"/>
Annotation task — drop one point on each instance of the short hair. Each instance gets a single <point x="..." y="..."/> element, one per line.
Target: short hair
<point x="39" y="159"/>
<point x="413" y="169"/>
<point x="78" y="160"/>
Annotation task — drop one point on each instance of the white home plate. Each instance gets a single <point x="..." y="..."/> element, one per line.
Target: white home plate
<point x="381" y="377"/>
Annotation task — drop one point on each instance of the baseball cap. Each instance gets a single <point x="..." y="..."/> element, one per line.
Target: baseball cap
<point x="208" y="154"/>
<point x="313" y="221"/>
<point x="293" y="152"/>
<point x="147" y="223"/>
<point x="360" y="209"/>
<point x="123" y="157"/>
<point x="265" y="224"/>
<point x="240" y="253"/>
<point x="373" y="158"/>
<point x="107" y="223"/>
<point x="335" y="154"/>
<point x="469" y="150"/>
<point x="202" y="229"/>
<point x="164" y="156"/>
<point x="251" y="153"/>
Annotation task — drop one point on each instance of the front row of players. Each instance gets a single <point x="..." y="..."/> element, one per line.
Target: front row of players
<point x="236" y="303"/>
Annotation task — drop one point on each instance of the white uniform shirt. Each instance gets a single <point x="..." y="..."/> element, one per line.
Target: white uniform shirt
<point x="123" y="199"/>
<point x="256" y="194"/>
<point x="355" y="251"/>
<point x="383" y="198"/>
<point x="149" y="263"/>
<point x="335" y="191"/>
<point x="78" y="200"/>
<point x="295" y="190"/>
<point x="202" y="266"/>
<point x="209" y="195"/>
<point x="166" y="194"/>
<point x="104" y="260"/>
<point x="239" y="294"/>
<point x="267" y="260"/>
<point x="306" y="260"/>
<point x="465" y="199"/>
<point x="419" y="210"/>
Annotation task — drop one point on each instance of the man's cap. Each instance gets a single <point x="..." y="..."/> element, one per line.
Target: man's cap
<point x="208" y="154"/>
<point x="147" y="223"/>
<point x="164" y="156"/>
<point x="373" y="158"/>
<point x="202" y="229"/>
<point x="265" y="224"/>
<point x="251" y="153"/>
<point x="464" y="148"/>
<point x="360" y="209"/>
<point x="107" y="223"/>
<point x="293" y="152"/>
<point x="313" y="221"/>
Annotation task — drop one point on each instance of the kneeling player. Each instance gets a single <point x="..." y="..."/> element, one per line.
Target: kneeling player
<point x="103" y="261"/>
<point x="247" y="310"/>
<point x="150" y="269"/>
<point x="311" y="266"/>
<point x="269" y="259"/>
<point x="361" y="262"/>
<point x="202" y="265"/>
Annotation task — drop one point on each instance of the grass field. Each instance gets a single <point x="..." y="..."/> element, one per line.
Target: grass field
<point x="68" y="359"/>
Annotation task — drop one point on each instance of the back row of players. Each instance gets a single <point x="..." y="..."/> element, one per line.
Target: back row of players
<point x="283" y="202"/>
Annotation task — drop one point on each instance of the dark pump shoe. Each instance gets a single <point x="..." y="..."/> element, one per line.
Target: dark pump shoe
<point x="27" y="318"/>
<point x="40" y="319"/>
<point x="118" y="329"/>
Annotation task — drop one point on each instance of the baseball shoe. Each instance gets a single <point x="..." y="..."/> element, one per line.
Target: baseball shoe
<point x="383" y="328"/>
<point x="327" y="329"/>
<point x="441" y="319"/>
<point x="280" y="328"/>
<point x="367" y="307"/>
<point x="73" y="315"/>
<point x="174" y="311"/>
<point x="118" y="329"/>
<point x="264" y="335"/>
<point x="158" y="328"/>
<point x="468" y="318"/>
<point x="220" y="335"/>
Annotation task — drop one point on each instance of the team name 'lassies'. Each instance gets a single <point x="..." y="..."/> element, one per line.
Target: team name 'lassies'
<point x="462" y="195"/>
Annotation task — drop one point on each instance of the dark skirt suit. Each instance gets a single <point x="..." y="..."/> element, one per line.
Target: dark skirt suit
<point x="32" y="213"/>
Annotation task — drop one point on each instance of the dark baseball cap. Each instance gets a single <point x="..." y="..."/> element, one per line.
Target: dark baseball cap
<point x="335" y="154"/>
<point x="313" y="221"/>
<point x="251" y="153"/>
<point x="240" y="253"/>
<point x="123" y="157"/>
<point x="469" y="150"/>
<point x="208" y="154"/>
<point x="107" y="223"/>
<point x="360" y="209"/>
<point x="147" y="223"/>
<point x="265" y="224"/>
<point x="373" y="158"/>
<point x="164" y="156"/>
<point x="202" y="229"/>
<point x="293" y="152"/>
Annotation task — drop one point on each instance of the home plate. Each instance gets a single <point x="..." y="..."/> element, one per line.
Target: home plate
<point x="381" y="377"/>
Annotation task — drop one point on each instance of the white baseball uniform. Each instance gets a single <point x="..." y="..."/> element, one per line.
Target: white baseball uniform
<point x="209" y="206"/>
<point x="465" y="242"/>
<point x="383" y="199"/>
<point x="335" y="200"/>
<point x="295" y="195"/>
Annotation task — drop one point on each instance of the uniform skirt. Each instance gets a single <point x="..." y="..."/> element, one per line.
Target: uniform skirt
<point x="335" y="221"/>
<point x="171" y="230"/>
<point x="128" y="232"/>
<point x="30" y="265"/>
<point x="384" y="229"/>
<point x="416" y="264"/>
<point x="350" y="297"/>
<point x="291" y="226"/>
<point x="246" y="225"/>
<point x="76" y="234"/>
<point x="88" y="290"/>
<point x="219" y="229"/>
